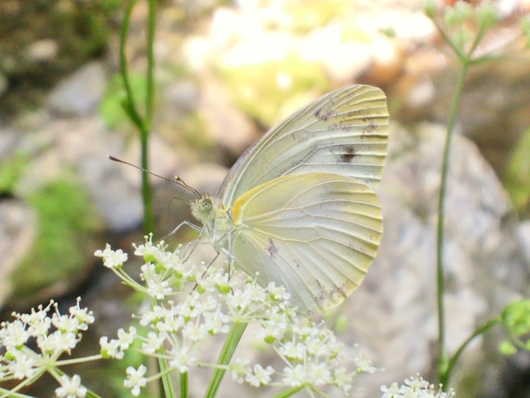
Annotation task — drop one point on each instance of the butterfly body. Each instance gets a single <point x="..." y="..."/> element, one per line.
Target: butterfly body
<point x="299" y="208"/>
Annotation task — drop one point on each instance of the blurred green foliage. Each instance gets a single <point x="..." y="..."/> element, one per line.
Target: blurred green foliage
<point x="10" y="171"/>
<point x="516" y="319"/>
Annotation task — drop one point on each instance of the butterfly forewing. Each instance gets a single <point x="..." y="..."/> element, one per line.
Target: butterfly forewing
<point x="316" y="234"/>
<point x="344" y="132"/>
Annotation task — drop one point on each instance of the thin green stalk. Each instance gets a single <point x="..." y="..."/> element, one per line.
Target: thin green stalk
<point x="151" y="29"/>
<point x="147" y="193"/>
<point x="169" y="391"/>
<point x="90" y="394"/>
<point x="184" y="385"/>
<point x="289" y="392"/>
<point x="445" y="377"/>
<point x="9" y="393"/>
<point x="442" y="360"/>
<point x="229" y="347"/>
<point x="129" y="105"/>
<point x="447" y="39"/>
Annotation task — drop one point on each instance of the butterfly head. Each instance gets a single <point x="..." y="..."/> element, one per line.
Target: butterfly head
<point x="202" y="208"/>
<point x="214" y="217"/>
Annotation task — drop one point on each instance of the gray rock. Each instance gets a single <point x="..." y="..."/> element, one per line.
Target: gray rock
<point x="17" y="233"/>
<point x="80" y="93"/>
<point x="393" y="313"/>
<point x="524" y="238"/>
<point x="183" y="96"/>
<point x="42" y="50"/>
<point x="226" y="125"/>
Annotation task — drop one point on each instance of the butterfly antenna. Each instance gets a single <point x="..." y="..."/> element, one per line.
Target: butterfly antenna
<point x="177" y="180"/>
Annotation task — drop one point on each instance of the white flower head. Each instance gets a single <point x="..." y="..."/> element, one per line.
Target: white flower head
<point x="240" y="369"/>
<point x="111" y="258"/>
<point x="110" y="349"/>
<point x="415" y="387"/>
<point x="182" y="358"/>
<point x="70" y="388"/>
<point x="22" y="365"/>
<point x="14" y="334"/>
<point x="135" y="379"/>
<point x="153" y="343"/>
<point x="83" y="315"/>
<point x="260" y="375"/>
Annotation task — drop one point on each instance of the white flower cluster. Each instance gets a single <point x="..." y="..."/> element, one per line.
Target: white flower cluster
<point x="416" y="387"/>
<point x="188" y="304"/>
<point x="19" y="362"/>
<point x="191" y="303"/>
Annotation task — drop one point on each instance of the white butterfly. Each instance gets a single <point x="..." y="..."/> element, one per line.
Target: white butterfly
<point x="299" y="206"/>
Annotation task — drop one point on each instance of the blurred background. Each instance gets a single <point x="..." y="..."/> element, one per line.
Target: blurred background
<point x="226" y="72"/>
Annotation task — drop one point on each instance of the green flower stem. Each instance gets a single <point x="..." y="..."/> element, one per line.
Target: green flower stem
<point x="130" y="104"/>
<point x="151" y="26"/>
<point x="147" y="194"/>
<point x="442" y="359"/>
<point x="478" y="38"/>
<point x="56" y="373"/>
<point x="184" y="385"/>
<point x="90" y="394"/>
<point x="169" y="391"/>
<point x="445" y="376"/>
<point x="143" y="124"/>
<point x="67" y="362"/>
<point x="229" y="347"/>
<point x="11" y="394"/>
<point x="288" y="392"/>
<point x="446" y="38"/>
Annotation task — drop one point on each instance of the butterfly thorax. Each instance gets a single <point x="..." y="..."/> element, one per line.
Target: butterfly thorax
<point x="215" y="217"/>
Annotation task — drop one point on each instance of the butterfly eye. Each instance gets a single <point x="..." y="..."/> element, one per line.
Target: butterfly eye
<point x="205" y="205"/>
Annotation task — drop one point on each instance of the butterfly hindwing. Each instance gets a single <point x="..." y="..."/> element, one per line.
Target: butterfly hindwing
<point x="314" y="233"/>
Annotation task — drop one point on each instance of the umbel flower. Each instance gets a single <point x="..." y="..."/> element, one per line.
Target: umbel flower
<point x="415" y="387"/>
<point x="53" y="336"/>
<point x="186" y="306"/>
<point x="190" y="304"/>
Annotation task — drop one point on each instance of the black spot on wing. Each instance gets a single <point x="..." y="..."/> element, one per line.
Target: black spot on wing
<point x="323" y="113"/>
<point x="271" y="248"/>
<point x="348" y="154"/>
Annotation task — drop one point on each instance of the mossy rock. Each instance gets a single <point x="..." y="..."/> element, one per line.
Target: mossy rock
<point x="67" y="223"/>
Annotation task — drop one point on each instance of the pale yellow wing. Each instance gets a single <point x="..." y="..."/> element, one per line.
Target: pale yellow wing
<point x="344" y="132"/>
<point x="316" y="234"/>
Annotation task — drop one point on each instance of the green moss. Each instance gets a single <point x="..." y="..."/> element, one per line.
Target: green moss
<point x="517" y="180"/>
<point x="255" y="89"/>
<point x="66" y="222"/>
<point x="10" y="171"/>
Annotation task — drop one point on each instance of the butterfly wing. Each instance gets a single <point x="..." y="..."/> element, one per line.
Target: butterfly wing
<point x="316" y="234"/>
<point x="344" y="132"/>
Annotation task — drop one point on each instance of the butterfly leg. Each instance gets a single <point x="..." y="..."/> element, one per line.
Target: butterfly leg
<point x="183" y="223"/>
